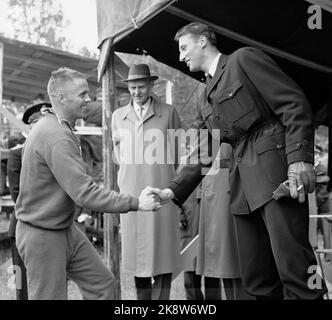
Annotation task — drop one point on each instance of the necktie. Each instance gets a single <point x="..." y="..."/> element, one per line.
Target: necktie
<point x="141" y="113"/>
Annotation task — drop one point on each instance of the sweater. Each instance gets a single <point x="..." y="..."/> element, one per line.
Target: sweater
<point x="54" y="180"/>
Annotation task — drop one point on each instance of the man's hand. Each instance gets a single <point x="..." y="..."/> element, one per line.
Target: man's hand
<point x="301" y="178"/>
<point x="148" y="201"/>
<point x="164" y="195"/>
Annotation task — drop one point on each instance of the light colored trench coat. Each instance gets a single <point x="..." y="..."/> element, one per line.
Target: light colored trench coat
<point x="217" y="248"/>
<point x="150" y="240"/>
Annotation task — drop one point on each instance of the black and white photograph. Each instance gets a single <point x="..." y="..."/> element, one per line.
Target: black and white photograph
<point x="167" y="155"/>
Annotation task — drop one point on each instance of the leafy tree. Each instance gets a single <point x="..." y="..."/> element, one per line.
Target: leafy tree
<point x="86" y="52"/>
<point x="38" y="21"/>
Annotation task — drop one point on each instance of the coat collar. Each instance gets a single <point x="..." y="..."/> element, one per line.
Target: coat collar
<point x="219" y="72"/>
<point x="155" y="109"/>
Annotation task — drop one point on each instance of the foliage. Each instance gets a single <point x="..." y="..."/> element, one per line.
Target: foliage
<point x="38" y="21"/>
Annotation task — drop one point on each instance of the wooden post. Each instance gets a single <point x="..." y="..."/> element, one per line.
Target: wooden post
<point x="112" y="248"/>
<point x="329" y="115"/>
<point x="1" y="62"/>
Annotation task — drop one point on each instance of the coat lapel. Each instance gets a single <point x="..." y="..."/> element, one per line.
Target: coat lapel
<point x="219" y="72"/>
<point x="129" y="113"/>
<point x="153" y="110"/>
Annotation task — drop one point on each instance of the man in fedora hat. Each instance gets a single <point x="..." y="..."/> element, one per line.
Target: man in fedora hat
<point x="53" y="182"/>
<point x="150" y="243"/>
<point x="30" y="118"/>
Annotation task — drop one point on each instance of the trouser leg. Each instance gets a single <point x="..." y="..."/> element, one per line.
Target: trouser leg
<point x="158" y="290"/>
<point x="143" y="288"/>
<point x="20" y="274"/>
<point x="234" y="289"/>
<point x="212" y="288"/>
<point x="87" y="270"/>
<point x="45" y="256"/>
<point x="192" y="285"/>
<point x="259" y="273"/>
<point x="287" y="222"/>
<point x="326" y="237"/>
<point x="161" y="286"/>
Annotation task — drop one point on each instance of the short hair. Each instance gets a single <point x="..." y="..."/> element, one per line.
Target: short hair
<point x="197" y="29"/>
<point x="60" y="76"/>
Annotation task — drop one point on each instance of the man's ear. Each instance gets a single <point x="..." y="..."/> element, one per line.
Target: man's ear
<point x="203" y="41"/>
<point x="60" y="97"/>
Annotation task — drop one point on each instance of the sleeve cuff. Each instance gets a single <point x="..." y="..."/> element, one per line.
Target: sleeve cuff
<point x="133" y="204"/>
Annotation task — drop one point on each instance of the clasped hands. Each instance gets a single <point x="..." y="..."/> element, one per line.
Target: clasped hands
<point x="152" y="199"/>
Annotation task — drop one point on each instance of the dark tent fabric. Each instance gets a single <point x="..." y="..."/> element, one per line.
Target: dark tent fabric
<point x="279" y="27"/>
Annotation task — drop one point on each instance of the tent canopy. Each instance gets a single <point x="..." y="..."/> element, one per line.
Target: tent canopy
<point x="27" y="68"/>
<point x="279" y="27"/>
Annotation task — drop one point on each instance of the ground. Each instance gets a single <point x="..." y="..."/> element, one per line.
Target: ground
<point x="127" y="282"/>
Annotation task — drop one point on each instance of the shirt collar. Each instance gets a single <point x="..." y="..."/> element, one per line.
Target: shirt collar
<point x="60" y="120"/>
<point x="145" y="107"/>
<point x="214" y="65"/>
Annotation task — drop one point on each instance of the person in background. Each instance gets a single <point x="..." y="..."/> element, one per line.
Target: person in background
<point x="150" y="243"/>
<point x="30" y="118"/>
<point x="323" y="204"/>
<point x="217" y="257"/>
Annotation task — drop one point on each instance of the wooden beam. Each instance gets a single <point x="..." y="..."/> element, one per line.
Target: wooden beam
<point x="42" y="86"/>
<point x="248" y="41"/>
<point x="30" y="82"/>
<point x="1" y="69"/>
<point x="14" y="95"/>
<point x="26" y="63"/>
<point x="111" y="221"/>
<point x="121" y="67"/>
<point x="85" y="130"/>
<point x="32" y="60"/>
<point x="329" y="117"/>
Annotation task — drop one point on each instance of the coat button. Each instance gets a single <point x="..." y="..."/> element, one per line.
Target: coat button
<point x="217" y="117"/>
<point x="230" y="94"/>
<point x="239" y="159"/>
<point x="225" y="131"/>
<point x="279" y="146"/>
<point x="299" y="144"/>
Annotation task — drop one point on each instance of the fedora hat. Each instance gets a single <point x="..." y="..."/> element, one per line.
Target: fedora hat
<point x="139" y="72"/>
<point x="34" y="109"/>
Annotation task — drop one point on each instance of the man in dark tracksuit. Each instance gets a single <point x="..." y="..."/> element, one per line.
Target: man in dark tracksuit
<point x="267" y="119"/>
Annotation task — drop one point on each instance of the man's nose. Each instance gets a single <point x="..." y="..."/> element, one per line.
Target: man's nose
<point x="181" y="56"/>
<point x="87" y="98"/>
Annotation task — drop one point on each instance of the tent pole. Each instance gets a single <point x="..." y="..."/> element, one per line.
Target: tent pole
<point x="329" y="117"/>
<point x="112" y="249"/>
<point x="1" y="61"/>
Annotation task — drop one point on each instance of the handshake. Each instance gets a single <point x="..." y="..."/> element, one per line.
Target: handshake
<point x="152" y="199"/>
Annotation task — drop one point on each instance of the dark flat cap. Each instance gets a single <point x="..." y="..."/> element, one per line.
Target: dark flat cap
<point x="34" y="109"/>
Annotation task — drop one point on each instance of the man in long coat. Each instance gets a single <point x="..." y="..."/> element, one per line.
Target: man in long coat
<point x="267" y="119"/>
<point x="150" y="243"/>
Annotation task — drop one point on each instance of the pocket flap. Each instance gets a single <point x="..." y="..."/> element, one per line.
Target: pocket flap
<point x="229" y="92"/>
<point x="276" y="142"/>
<point x="206" y="112"/>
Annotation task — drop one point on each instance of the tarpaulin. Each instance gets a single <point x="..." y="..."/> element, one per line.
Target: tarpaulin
<point x="117" y="18"/>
